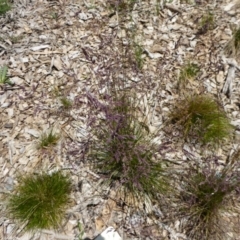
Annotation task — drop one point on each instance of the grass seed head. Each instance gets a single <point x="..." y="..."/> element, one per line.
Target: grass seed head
<point x="205" y="194"/>
<point x="123" y="152"/>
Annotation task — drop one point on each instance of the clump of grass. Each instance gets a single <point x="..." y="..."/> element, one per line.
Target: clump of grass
<point x="81" y="231"/>
<point x="66" y="103"/>
<point x="122" y="151"/>
<point x="48" y="139"/>
<point x="40" y="201"/>
<point x="138" y="52"/>
<point x="16" y="39"/>
<point x="206" y="194"/>
<point x="3" y="76"/>
<point x="202" y="118"/>
<point x="233" y="46"/>
<point x="207" y="22"/>
<point x="122" y="5"/>
<point x="4" y="6"/>
<point x="189" y="71"/>
<point x="54" y="15"/>
<point x="236" y="39"/>
<point x="186" y="1"/>
<point x="56" y="92"/>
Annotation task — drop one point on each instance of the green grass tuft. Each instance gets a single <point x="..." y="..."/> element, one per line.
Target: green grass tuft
<point x="122" y="5"/>
<point x="208" y="195"/>
<point x="40" y="201"/>
<point x="15" y="39"/>
<point x="66" y="103"/>
<point x="189" y="71"/>
<point x="207" y="23"/>
<point x="3" y="76"/>
<point x="48" y="139"/>
<point x="201" y="117"/>
<point x="186" y="1"/>
<point x="4" y="6"/>
<point x="138" y="52"/>
<point x="236" y="38"/>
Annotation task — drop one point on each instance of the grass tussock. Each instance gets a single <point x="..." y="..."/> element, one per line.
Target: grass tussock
<point x="48" y="139"/>
<point x="40" y="201"/>
<point x="206" y="195"/>
<point x="122" y="5"/>
<point x="16" y="38"/>
<point x="4" y="6"/>
<point x="189" y="71"/>
<point x="66" y="103"/>
<point x="186" y="1"/>
<point x="236" y="39"/>
<point x="201" y="117"/>
<point x="233" y="46"/>
<point x="138" y="53"/>
<point x="4" y="79"/>
<point x="122" y="151"/>
<point x="206" y="23"/>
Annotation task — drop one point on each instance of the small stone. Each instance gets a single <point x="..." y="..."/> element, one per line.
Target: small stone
<point x="193" y="44"/>
<point x="5" y="105"/>
<point x="10" y="228"/>
<point x="164" y="233"/>
<point x="82" y="16"/>
<point x="109" y="234"/>
<point x="8" y="125"/>
<point x="225" y="36"/>
<point x="87" y="189"/>
<point x="85" y="16"/>
<point x="185" y="42"/>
